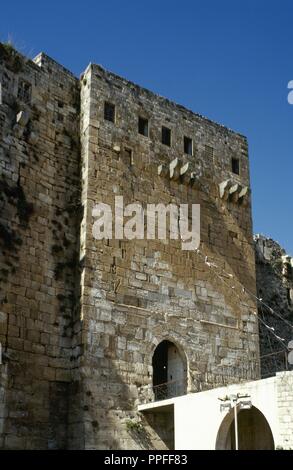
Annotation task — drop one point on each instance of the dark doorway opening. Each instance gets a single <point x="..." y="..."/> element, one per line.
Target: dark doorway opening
<point x="254" y="432"/>
<point x="169" y="371"/>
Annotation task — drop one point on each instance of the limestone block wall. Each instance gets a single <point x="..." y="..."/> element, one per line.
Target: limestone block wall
<point x="39" y="213"/>
<point x="137" y="293"/>
<point x="80" y="318"/>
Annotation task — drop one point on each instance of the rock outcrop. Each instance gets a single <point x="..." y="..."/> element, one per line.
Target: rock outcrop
<point x="274" y="275"/>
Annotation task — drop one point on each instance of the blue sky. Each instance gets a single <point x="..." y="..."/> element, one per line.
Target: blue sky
<point x="228" y="60"/>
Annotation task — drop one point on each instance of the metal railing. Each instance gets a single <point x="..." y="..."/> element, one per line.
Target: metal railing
<point x="274" y="362"/>
<point x="174" y="388"/>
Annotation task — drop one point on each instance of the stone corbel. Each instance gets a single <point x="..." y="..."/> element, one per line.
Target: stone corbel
<point x="185" y="173"/>
<point x="243" y="194"/>
<point x="224" y="188"/>
<point x="22" y="118"/>
<point x="162" y="170"/>
<point x="234" y="192"/>
<point x="174" y="170"/>
<point x="21" y="121"/>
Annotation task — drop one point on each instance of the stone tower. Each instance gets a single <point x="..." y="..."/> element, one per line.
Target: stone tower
<point x="92" y="328"/>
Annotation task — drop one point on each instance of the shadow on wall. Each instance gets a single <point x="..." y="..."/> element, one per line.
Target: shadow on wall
<point x="254" y="432"/>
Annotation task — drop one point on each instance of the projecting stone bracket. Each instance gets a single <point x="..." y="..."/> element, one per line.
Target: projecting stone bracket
<point x="162" y="170"/>
<point x="22" y="118"/>
<point x="185" y="173"/>
<point x="177" y="171"/>
<point x="233" y="191"/>
<point x="21" y="121"/>
<point x="174" y="170"/>
<point x="117" y="148"/>
<point x="224" y="188"/>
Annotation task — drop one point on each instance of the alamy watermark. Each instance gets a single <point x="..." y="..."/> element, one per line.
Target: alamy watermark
<point x="148" y="223"/>
<point x="290" y="94"/>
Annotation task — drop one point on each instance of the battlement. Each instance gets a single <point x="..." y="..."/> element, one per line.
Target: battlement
<point x="116" y="80"/>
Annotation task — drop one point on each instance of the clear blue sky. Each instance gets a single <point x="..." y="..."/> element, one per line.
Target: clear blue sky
<point x="228" y="60"/>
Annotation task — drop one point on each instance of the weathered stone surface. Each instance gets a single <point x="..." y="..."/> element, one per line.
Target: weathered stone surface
<point x="84" y="316"/>
<point x="39" y="178"/>
<point x="275" y="288"/>
<point x="155" y="283"/>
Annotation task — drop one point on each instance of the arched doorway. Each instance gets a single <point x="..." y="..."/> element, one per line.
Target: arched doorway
<point x="169" y="371"/>
<point x="254" y="432"/>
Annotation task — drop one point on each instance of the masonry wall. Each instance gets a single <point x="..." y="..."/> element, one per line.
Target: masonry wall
<point x="137" y="293"/>
<point x="80" y="318"/>
<point x="39" y="213"/>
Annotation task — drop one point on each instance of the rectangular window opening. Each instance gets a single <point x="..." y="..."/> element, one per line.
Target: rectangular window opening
<point x="166" y="136"/>
<point x="143" y="126"/>
<point x="109" y="112"/>
<point x="187" y="145"/>
<point x="24" y="91"/>
<point x="235" y="166"/>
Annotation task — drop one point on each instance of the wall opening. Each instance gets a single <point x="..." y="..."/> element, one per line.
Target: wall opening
<point x="166" y="136"/>
<point x="169" y="371"/>
<point x="143" y="126"/>
<point x="109" y="112"/>
<point x="235" y="166"/>
<point x="187" y="145"/>
<point x="254" y="432"/>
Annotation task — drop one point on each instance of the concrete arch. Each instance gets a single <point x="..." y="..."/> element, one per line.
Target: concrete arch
<point x="254" y="432"/>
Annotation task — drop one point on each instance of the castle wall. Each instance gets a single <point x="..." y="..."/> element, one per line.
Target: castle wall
<point x="136" y="293"/>
<point x="39" y="207"/>
<point x="80" y="318"/>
